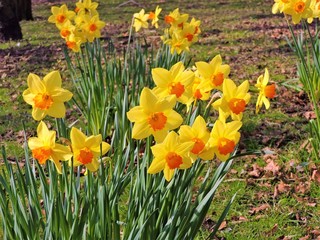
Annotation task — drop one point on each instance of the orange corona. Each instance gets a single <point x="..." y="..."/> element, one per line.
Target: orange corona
<point x="225" y="146"/>
<point x="157" y="121"/>
<point x="43" y="101"/>
<point x="173" y="160"/>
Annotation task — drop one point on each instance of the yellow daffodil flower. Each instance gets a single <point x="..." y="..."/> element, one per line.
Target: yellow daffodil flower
<point x="188" y="32"/>
<point x="200" y="90"/>
<point x="66" y="30"/>
<point x="46" y="97"/>
<point x="154" y="17"/>
<point x="298" y="9"/>
<point x="87" y="150"/>
<point x="199" y="136"/>
<point x="215" y="71"/>
<point x="178" y="43"/>
<point x="86" y="7"/>
<point x="175" y="19"/>
<point x="234" y="99"/>
<point x="176" y="82"/>
<point x="45" y="148"/>
<point x="155" y="116"/>
<point x="140" y="20"/>
<point x="60" y="15"/>
<point x="224" y="137"/>
<point x="265" y="91"/>
<point x="170" y="155"/>
<point x="92" y="27"/>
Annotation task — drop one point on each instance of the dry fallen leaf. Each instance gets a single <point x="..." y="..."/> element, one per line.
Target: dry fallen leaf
<point x="256" y="172"/>
<point x="259" y="209"/>
<point x="272" y="167"/>
<point x="223" y="225"/>
<point x="309" y="115"/>
<point x="316" y="176"/>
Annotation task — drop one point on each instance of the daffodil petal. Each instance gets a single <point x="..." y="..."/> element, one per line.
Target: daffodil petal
<point x="38" y="114"/>
<point x="62" y="152"/>
<point x="35" y="84"/>
<point x="168" y="173"/>
<point x="61" y="95"/>
<point x="52" y="80"/>
<point x="141" y="130"/>
<point x="28" y="96"/>
<point x="160" y="77"/>
<point x="77" y="138"/>
<point x="136" y="114"/>
<point x="34" y="143"/>
<point x="57" y="110"/>
<point x="156" y="166"/>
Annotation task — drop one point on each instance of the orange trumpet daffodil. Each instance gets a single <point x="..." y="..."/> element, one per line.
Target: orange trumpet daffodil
<point x="170" y="155"/>
<point x="45" y="148"/>
<point x="46" y="96"/>
<point x="155" y="116"/>
<point x="87" y="150"/>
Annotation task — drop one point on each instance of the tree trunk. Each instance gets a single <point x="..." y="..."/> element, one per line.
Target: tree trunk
<point x="23" y="9"/>
<point x="9" y="23"/>
<point x="11" y="12"/>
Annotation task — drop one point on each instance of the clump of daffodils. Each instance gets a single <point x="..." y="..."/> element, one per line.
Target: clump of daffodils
<point x="47" y="98"/>
<point x="178" y="145"/>
<point x="78" y="26"/>
<point x="179" y="33"/>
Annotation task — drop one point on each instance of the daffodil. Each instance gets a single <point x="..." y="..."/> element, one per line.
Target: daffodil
<point x="73" y="42"/>
<point x="199" y="136"/>
<point x="155" y="116"/>
<point x="224" y="137"/>
<point x="92" y="27"/>
<point x="66" y="30"/>
<point x="234" y="99"/>
<point x="188" y="32"/>
<point x="86" y="7"/>
<point x="175" y="81"/>
<point x="154" y="17"/>
<point x="44" y="147"/>
<point x="200" y="90"/>
<point x="140" y="20"/>
<point x="265" y="91"/>
<point x="175" y="19"/>
<point x="87" y="150"/>
<point x="215" y="71"/>
<point x="177" y="42"/>
<point x="299" y="9"/>
<point x="61" y="15"/>
<point x="169" y="155"/>
<point x="46" y="96"/>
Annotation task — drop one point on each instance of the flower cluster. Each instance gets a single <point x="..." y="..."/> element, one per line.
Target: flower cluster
<point x="156" y="115"/>
<point x="78" y="26"/>
<point x="179" y="33"/>
<point x="47" y="97"/>
<point x="298" y="9"/>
